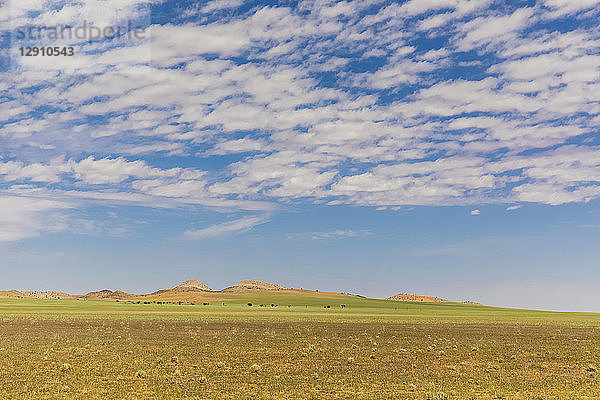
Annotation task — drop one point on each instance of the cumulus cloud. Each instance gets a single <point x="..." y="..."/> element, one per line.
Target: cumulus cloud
<point x="341" y="103"/>
<point x="569" y="6"/>
<point x="221" y="4"/>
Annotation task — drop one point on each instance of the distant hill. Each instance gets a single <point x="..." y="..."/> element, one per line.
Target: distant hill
<point x="192" y="290"/>
<point x="191" y="285"/>
<point x="416" y="297"/>
<point x="253" y="285"/>
<point x="426" y="299"/>
<point x="107" y="295"/>
<point x="34" y="294"/>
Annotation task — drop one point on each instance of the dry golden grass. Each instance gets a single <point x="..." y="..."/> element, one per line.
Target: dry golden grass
<point x="161" y="353"/>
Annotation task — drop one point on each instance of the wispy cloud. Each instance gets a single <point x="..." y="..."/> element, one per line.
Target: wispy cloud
<point x="25" y="217"/>
<point x="337" y="234"/>
<point x="227" y="228"/>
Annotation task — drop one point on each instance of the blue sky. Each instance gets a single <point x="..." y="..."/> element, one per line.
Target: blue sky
<point x="444" y="147"/>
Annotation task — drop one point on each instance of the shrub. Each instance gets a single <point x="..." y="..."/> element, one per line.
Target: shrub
<point x="255" y="368"/>
<point x="591" y="368"/>
<point x="438" y="396"/>
<point x="65" y="367"/>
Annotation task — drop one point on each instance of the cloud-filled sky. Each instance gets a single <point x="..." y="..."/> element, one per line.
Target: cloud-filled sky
<point x="448" y="147"/>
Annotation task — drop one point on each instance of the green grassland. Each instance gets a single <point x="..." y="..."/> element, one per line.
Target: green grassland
<point x="293" y="347"/>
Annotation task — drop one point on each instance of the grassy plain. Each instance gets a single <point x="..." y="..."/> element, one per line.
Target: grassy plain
<point x="370" y="349"/>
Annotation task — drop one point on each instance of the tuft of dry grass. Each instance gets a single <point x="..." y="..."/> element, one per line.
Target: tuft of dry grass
<point x="255" y="368"/>
<point x="65" y="367"/>
<point x="141" y="374"/>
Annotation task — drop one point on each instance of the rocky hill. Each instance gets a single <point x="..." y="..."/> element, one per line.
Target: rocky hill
<point x="416" y="297"/>
<point x="191" y="285"/>
<point x="194" y="290"/>
<point x="253" y="285"/>
<point x="107" y="295"/>
<point x="34" y="294"/>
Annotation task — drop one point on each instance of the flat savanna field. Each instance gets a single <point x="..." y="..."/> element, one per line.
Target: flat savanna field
<point x="370" y="349"/>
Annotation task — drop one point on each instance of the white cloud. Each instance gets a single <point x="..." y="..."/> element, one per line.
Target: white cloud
<point x="114" y="170"/>
<point x="411" y="127"/>
<point x="36" y="172"/>
<point x="220" y="5"/>
<point x="496" y="29"/>
<point x="239" y="146"/>
<point x="569" y="6"/>
<point x="336" y="234"/>
<point x="413" y="7"/>
<point x="26" y="217"/>
<point x="555" y="194"/>
<point x="227" y="228"/>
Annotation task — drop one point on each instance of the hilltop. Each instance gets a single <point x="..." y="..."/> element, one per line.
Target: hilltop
<point x="107" y="295"/>
<point x="253" y="285"/>
<point x="191" y="285"/>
